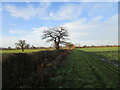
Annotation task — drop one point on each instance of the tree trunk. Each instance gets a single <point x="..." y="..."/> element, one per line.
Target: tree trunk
<point x="57" y="46"/>
<point x="22" y="49"/>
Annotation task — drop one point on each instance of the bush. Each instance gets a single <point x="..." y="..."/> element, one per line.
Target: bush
<point x="22" y="70"/>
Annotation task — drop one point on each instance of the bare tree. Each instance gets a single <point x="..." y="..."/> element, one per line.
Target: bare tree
<point x="27" y="46"/>
<point x="57" y="35"/>
<point x="21" y="44"/>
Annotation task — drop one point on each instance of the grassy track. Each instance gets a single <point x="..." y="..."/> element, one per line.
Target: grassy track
<point x="84" y="70"/>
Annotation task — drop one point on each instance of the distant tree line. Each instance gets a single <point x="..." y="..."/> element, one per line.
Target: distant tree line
<point x="92" y="46"/>
<point x="69" y="46"/>
<point x="58" y="36"/>
<point x="17" y="48"/>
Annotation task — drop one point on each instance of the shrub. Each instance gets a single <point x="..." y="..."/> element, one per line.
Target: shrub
<point x="30" y="70"/>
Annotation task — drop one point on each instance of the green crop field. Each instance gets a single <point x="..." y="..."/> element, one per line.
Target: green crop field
<point x="109" y="53"/>
<point x="82" y="69"/>
<point x="99" y="49"/>
<point x="19" y="51"/>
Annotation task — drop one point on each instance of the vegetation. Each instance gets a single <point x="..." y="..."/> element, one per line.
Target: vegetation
<point x="99" y="49"/>
<point x="21" y="44"/>
<point x="27" y="46"/>
<point x="70" y="45"/>
<point x="84" y="70"/>
<point x="30" y="70"/>
<point x="107" y="53"/>
<point x="19" y="51"/>
<point x="58" y="35"/>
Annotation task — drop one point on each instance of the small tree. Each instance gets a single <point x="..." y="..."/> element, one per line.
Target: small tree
<point x="84" y="46"/>
<point x="21" y="44"/>
<point x="70" y="45"/>
<point x="17" y="47"/>
<point x="92" y="45"/>
<point x="27" y="46"/>
<point x="9" y="48"/>
<point x="33" y="47"/>
<point x="57" y="35"/>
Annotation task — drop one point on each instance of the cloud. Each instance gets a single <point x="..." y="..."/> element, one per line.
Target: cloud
<point x="96" y="42"/>
<point x="91" y="28"/>
<point x="40" y="30"/>
<point x="61" y="0"/>
<point x="18" y="31"/>
<point x="98" y="18"/>
<point x="0" y="9"/>
<point x="0" y="6"/>
<point x="103" y="8"/>
<point x="81" y="31"/>
<point x="31" y="38"/>
<point x="67" y="11"/>
<point x="99" y="0"/>
<point x="84" y="30"/>
<point x="27" y="1"/>
<point x="27" y="12"/>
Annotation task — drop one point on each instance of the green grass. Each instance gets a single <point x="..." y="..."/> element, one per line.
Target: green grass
<point x="83" y="70"/>
<point x="99" y="49"/>
<point x="25" y="51"/>
<point x="110" y="53"/>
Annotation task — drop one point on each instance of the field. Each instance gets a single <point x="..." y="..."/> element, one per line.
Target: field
<point x="99" y="49"/>
<point x="82" y="68"/>
<point x="106" y="53"/>
<point x="19" y="51"/>
<point x="85" y="69"/>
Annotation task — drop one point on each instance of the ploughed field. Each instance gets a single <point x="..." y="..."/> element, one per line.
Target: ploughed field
<point x="79" y="68"/>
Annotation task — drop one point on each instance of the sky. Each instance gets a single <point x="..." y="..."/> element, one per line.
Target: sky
<point x="88" y="23"/>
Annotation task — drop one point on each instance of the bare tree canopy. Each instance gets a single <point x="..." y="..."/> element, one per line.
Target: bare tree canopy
<point x="21" y="44"/>
<point x="57" y="35"/>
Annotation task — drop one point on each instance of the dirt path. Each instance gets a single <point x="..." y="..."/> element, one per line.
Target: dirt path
<point x="83" y="70"/>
